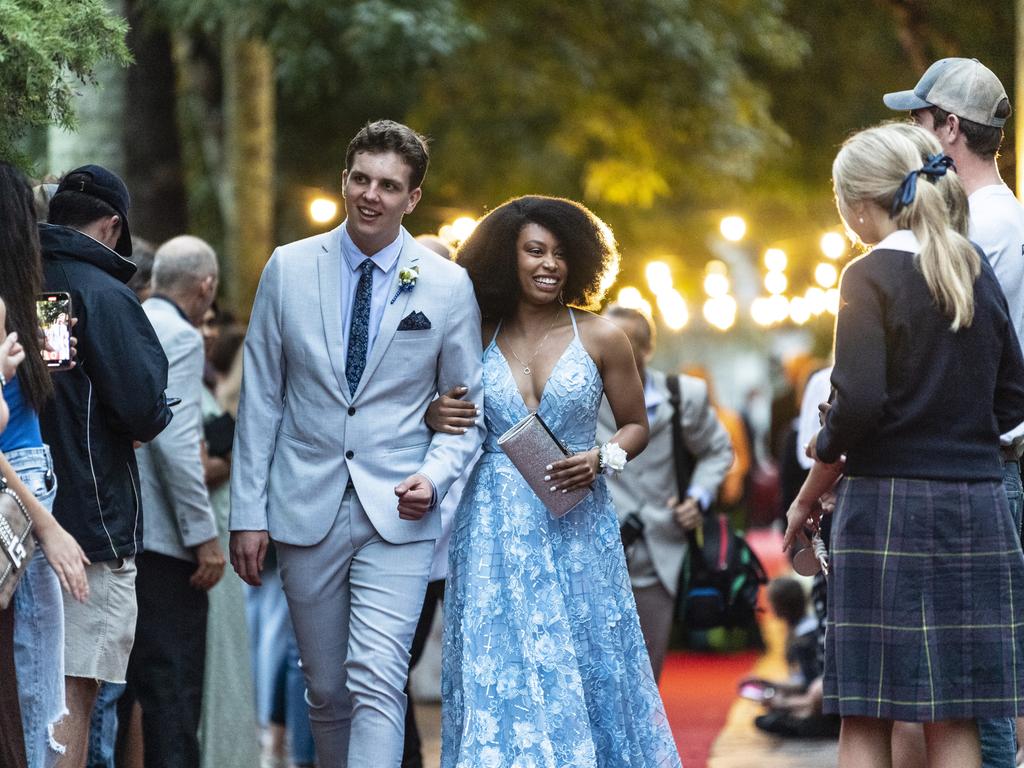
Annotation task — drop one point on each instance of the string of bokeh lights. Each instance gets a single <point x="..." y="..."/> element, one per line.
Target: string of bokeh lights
<point x="720" y="309"/>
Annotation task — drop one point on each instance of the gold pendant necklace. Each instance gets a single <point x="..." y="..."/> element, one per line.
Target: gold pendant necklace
<point x="526" y="366"/>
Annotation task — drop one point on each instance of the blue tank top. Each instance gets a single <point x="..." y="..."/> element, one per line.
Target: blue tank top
<point x="23" y="426"/>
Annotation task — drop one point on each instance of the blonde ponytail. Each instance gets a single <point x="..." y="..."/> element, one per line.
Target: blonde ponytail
<point x="947" y="260"/>
<point x="873" y="166"/>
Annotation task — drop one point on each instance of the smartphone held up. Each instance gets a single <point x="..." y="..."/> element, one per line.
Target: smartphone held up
<point x="54" y="312"/>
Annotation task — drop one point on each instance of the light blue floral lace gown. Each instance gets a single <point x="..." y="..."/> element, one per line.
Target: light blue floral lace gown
<point x="544" y="665"/>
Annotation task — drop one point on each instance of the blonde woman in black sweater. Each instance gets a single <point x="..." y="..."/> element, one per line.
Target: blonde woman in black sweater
<point x="928" y="373"/>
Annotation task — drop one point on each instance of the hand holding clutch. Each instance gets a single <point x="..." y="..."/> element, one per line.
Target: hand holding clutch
<point x="532" y="447"/>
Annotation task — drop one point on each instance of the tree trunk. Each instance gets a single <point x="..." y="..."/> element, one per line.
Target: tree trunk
<point x="152" y="152"/>
<point x="249" y="111"/>
<point x="99" y="111"/>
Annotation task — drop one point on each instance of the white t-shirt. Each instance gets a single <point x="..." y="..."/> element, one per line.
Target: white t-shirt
<point x="997" y="226"/>
<point x="816" y="391"/>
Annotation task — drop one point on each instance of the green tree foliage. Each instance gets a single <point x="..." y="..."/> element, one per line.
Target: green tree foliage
<point x="621" y="103"/>
<point x="46" y="46"/>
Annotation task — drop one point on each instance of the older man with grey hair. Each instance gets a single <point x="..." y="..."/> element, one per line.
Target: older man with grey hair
<point x="182" y="558"/>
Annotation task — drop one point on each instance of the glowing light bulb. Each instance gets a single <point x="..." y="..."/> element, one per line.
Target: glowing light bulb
<point x="833" y="245"/>
<point x="815" y="298"/>
<point x="799" y="312"/>
<point x="826" y="275"/>
<point x="761" y="311"/>
<point x="673" y="309"/>
<point x="630" y="297"/>
<point x="733" y="228"/>
<point x="720" y="312"/>
<point x="463" y="227"/>
<point x="659" y="277"/>
<point x="323" y="210"/>
<point x="716" y="285"/>
<point x="779" y="306"/>
<point x="775" y="259"/>
<point x="832" y="300"/>
<point x="775" y="282"/>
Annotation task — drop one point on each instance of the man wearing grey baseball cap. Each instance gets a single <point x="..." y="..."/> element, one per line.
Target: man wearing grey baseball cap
<point x="963" y="103"/>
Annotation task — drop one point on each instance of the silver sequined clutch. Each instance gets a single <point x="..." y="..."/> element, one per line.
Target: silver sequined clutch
<point x="532" y="446"/>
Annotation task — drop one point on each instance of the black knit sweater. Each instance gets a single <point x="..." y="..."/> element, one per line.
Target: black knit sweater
<point x="914" y="399"/>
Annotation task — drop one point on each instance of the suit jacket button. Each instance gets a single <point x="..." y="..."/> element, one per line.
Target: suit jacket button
<point x="350" y="454"/>
<point x="352" y="411"/>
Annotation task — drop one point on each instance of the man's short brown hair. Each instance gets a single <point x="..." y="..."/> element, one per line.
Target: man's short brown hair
<point x="982" y="140"/>
<point x="389" y="136"/>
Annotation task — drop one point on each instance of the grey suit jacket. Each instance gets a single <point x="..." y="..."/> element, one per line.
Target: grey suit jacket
<point x="649" y="480"/>
<point x="175" y="499"/>
<point x="301" y="436"/>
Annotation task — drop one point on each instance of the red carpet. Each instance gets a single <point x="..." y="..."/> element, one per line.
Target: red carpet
<point x="699" y="688"/>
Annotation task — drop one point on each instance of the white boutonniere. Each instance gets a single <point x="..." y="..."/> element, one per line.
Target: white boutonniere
<point x="406" y="281"/>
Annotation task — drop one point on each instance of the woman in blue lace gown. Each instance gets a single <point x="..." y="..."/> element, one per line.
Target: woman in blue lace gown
<point x="544" y="665"/>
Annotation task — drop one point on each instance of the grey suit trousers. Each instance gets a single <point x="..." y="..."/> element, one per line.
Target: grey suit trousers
<point x="355" y="600"/>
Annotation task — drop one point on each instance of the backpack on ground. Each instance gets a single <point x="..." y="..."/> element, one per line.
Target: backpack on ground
<point x="719" y="581"/>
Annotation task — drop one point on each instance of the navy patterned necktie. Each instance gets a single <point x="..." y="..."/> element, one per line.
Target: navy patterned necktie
<point x="359" y="331"/>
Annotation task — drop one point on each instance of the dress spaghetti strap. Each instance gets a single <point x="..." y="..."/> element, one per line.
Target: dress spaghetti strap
<point x="575" y="329"/>
<point x="494" y="338"/>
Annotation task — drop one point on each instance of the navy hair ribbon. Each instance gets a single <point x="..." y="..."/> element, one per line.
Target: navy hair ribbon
<point x="934" y="167"/>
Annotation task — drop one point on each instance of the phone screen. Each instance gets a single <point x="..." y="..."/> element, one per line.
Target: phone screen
<point x="54" y="312"/>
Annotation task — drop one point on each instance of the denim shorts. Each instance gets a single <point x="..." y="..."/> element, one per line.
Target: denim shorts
<point x="39" y="626"/>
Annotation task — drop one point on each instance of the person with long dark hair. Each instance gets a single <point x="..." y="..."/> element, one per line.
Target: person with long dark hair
<point x="27" y="467"/>
<point x="544" y="662"/>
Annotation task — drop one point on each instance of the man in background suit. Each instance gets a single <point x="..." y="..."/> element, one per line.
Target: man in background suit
<point x="353" y="333"/>
<point x="182" y="558"/>
<point x="648" y="488"/>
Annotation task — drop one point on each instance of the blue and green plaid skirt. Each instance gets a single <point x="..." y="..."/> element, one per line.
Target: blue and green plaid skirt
<point x="925" y="602"/>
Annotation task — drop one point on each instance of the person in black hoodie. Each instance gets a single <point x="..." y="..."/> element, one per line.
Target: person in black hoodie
<point x="113" y="399"/>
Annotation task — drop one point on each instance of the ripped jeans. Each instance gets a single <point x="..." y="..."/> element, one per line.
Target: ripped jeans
<point x="39" y="626"/>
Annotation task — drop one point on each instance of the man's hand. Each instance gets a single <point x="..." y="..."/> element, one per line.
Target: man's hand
<point x="687" y="515"/>
<point x="248" y="550"/>
<point x="211" y="565"/>
<point x="414" y="496"/>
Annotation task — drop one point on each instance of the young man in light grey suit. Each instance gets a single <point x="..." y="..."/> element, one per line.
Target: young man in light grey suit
<point x="353" y="333"/>
<point x="182" y="557"/>
<point x="648" y="487"/>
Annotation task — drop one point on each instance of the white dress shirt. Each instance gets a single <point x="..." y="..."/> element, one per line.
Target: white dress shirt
<point x="384" y="260"/>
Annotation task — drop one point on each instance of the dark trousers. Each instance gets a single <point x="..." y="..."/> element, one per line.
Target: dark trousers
<point x="165" y="671"/>
<point x="413" y="756"/>
<point x="12" y="738"/>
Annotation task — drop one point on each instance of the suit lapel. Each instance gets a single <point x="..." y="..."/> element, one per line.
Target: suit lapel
<point x="394" y="311"/>
<point x="329" y="269"/>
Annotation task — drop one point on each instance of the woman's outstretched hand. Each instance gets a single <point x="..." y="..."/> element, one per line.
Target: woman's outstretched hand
<point x="451" y="414"/>
<point x="577" y="471"/>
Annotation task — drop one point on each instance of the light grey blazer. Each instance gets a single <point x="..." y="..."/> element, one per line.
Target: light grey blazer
<point x="301" y="436"/>
<point x="649" y="480"/>
<point x="177" y="508"/>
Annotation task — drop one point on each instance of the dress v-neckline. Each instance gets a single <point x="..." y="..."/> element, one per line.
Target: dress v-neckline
<point x="544" y="390"/>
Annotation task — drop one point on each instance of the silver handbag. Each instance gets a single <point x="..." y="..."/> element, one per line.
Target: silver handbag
<point x="16" y="541"/>
<point x="532" y="446"/>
